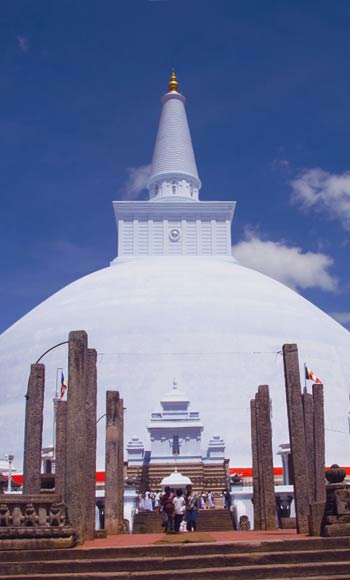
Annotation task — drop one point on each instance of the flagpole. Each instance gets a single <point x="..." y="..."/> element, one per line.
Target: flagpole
<point x="305" y="387"/>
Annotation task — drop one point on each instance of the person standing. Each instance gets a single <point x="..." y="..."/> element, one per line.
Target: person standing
<point x="211" y="503"/>
<point x="157" y="499"/>
<point x="148" y="502"/>
<point x="226" y="499"/>
<point x="167" y="506"/>
<point x="191" y="500"/>
<point x="141" y="502"/>
<point x="179" y="507"/>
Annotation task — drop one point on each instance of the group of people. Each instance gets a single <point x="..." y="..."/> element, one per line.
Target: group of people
<point x="148" y="501"/>
<point x="179" y="509"/>
<point x="176" y="506"/>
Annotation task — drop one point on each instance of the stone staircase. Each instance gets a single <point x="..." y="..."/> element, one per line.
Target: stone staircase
<point x="147" y="523"/>
<point x="312" y="558"/>
<point x="205" y="477"/>
<point x="214" y="520"/>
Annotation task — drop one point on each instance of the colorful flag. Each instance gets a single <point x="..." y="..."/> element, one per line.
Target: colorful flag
<point x="310" y="376"/>
<point x="64" y="386"/>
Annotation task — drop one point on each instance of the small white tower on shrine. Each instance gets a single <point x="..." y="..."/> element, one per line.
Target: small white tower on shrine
<point x="135" y="451"/>
<point x="175" y="431"/>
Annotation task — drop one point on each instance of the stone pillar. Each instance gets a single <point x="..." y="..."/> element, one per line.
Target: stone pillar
<point x="265" y="457"/>
<point x="33" y="430"/>
<point x="120" y="483"/>
<point x="263" y="479"/>
<point x="255" y="466"/>
<point x="318" y="502"/>
<point x="319" y="442"/>
<point x="309" y="438"/>
<point x="114" y="486"/>
<point x="76" y="454"/>
<point x="91" y="403"/>
<point x="60" y="451"/>
<point x="297" y="436"/>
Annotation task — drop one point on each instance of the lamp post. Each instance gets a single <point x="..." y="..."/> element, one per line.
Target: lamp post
<point x="9" y="478"/>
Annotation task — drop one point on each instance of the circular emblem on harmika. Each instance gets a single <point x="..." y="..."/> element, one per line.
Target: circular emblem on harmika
<point x="174" y="234"/>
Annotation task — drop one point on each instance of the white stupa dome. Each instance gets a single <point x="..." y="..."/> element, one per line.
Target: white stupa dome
<point x="215" y="325"/>
<point x="190" y="312"/>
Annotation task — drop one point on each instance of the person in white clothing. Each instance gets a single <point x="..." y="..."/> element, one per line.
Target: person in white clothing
<point x="179" y="505"/>
<point x="157" y="498"/>
<point x="211" y="503"/>
<point x="148" y="502"/>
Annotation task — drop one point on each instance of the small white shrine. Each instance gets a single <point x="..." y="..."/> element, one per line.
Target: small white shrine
<point x="175" y="481"/>
<point x="175" y="431"/>
<point x="175" y="435"/>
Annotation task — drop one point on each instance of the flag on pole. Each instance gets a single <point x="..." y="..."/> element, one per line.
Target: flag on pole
<point x="310" y="376"/>
<point x="64" y="386"/>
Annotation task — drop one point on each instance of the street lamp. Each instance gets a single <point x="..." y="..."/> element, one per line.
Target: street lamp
<point x="10" y="458"/>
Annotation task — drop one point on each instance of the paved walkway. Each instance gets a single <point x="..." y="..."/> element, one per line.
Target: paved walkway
<point x="234" y="536"/>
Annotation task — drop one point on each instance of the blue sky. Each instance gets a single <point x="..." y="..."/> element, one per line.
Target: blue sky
<point x="267" y="87"/>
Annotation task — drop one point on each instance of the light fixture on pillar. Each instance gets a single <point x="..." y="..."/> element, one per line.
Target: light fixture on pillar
<point x="10" y="459"/>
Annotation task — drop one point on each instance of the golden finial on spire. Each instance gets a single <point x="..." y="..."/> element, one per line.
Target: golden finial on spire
<point x="173" y="84"/>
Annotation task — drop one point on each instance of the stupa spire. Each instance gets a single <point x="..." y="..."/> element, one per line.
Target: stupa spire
<point x="173" y="84"/>
<point x="174" y="172"/>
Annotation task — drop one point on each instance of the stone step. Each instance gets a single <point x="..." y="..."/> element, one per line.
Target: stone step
<point x="334" y="570"/>
<point x="207" y="520"/>
<point x="336" y="577"/>
<point x="264" y="561"/>
<point x="178" y="550"/>
<point x="107" y="576"/>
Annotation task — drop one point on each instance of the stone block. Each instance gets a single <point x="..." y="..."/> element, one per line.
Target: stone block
<point x="337" y="530"/>
<point x="317" y="515"/>
<point x="288" y="523"/>
<point x="342" y="499"/>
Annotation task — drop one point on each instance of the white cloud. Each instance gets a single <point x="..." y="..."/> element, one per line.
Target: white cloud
<point x="326" y="193"/>
<point x="280" y="163"/>
<point x="23" y="43"/>
<point x="288" y="265"/>
<point x="342" y="317"/>
<point x="136" y="182"/>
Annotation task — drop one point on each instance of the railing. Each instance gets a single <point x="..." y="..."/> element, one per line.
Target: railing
<point x="24" y="516"/>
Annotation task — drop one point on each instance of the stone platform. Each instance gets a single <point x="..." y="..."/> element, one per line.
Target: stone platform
<point x="232" y="555"/>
